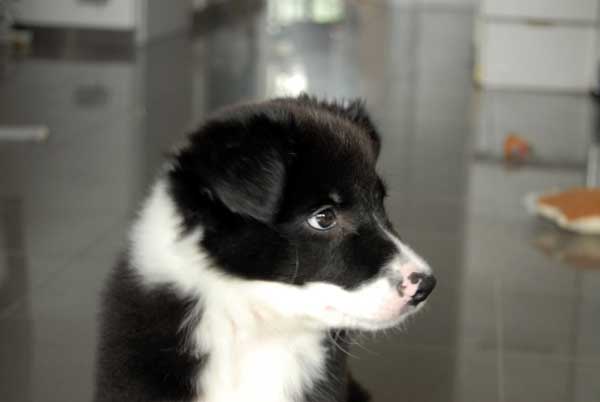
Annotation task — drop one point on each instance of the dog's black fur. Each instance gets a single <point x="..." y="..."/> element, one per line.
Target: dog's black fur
<point x="249" y="177"/>
<point x="142" y="355"/>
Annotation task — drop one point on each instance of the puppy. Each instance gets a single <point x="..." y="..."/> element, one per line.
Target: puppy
<point x="263" y="242"/>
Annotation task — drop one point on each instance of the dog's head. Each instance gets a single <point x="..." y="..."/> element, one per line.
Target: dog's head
<point x="291" y="209"/>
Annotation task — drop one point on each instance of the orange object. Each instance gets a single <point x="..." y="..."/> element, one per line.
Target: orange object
<point x="575" y="203"/>
<point x="516" y="148"/>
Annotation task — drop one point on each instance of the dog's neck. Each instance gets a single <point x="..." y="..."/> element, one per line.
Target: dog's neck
<point x="252" y="356"/>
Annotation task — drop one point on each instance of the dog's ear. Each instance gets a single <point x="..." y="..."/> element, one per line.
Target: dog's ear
<point x="239" y="163"/>
<point x="251" y="182"/>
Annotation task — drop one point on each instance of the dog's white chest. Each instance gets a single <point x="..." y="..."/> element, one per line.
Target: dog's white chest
<point x="261" y="365"/>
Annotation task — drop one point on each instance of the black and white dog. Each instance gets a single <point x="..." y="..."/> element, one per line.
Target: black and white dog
<point x="265" y="233"/>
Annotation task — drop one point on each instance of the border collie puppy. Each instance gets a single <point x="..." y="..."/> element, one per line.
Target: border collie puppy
<point x="264" y="235"/>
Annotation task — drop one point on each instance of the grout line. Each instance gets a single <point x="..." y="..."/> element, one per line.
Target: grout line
<point x="554" y="358"/>
<point x="499" y="338"/>
<point x="9" y="309"/>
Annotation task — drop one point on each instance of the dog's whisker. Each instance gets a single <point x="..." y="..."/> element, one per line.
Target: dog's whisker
<point x="339" y="346"/>
<point x="295" y="276"/>
<point x="354" y="341"/>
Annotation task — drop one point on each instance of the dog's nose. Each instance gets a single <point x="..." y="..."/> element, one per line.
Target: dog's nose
<point x="425" y="284"/>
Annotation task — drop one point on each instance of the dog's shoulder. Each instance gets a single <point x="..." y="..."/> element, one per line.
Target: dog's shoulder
<point x="143" y="352"/>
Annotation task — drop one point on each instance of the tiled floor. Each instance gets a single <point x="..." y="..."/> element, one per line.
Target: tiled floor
<point x="510" y="320"/>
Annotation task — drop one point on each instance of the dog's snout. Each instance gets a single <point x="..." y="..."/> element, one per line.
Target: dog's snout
<point x="425" y="285"/>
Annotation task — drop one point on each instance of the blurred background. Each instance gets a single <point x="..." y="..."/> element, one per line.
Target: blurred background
<point x="478" y="103"/>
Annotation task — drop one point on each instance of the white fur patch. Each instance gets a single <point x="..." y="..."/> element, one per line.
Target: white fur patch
<point x="159" y="252"/>
<point x="254" y="356"/>
<point x="263" y="339"/>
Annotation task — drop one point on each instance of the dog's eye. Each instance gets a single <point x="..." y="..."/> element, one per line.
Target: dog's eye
<point x="323" y="219"/>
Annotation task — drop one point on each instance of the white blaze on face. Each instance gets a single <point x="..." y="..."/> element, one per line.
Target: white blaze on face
<point x="408" y="264"/>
